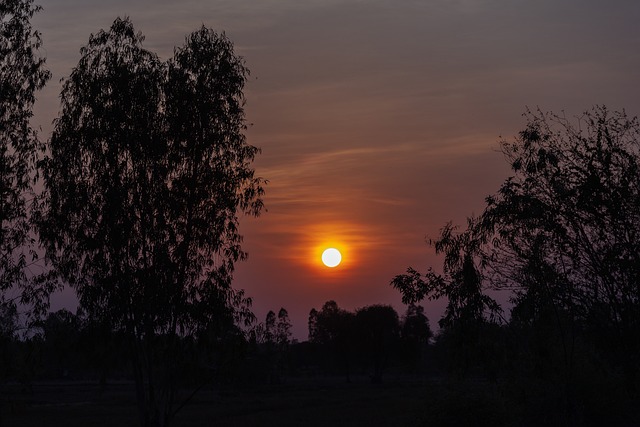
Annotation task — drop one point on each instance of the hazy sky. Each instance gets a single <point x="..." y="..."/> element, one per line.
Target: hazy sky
<point x="378" y="119"/>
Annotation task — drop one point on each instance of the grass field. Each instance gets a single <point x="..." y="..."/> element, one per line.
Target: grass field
<point x="300" y="402"/>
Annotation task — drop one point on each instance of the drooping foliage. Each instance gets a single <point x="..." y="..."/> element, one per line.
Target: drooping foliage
<point x="22" y="74"/>
<point x="461" y="282"/>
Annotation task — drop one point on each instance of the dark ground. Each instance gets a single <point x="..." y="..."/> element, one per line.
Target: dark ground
<point x="318" y="402"/>
<point x="301" y="402"/>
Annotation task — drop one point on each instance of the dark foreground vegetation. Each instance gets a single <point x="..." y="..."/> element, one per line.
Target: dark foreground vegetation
<point x="142" y="185"/>
<point x="369" y="367"/>
<point x="313" y="402"/>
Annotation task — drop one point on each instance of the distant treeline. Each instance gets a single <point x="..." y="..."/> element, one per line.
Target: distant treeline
<point x="368" y="343"/>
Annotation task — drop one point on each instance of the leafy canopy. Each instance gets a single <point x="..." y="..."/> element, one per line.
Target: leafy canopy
<point x="22" y="74"/>
<point x="148" y="170"/>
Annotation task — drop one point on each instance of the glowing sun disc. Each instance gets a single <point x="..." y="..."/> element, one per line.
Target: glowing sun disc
<point x="331" y="257"/>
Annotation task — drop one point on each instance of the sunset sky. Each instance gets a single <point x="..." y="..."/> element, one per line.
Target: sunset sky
<point x="378" y="119"/>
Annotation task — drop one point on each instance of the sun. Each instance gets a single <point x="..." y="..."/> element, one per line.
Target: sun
<point x="331" y="257"/>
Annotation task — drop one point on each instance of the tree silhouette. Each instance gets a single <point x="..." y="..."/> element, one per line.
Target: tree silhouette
<point x="415" y="333"/>
<point x="270" y="328"/>
<point x="8" y="334"/>
<point x="462" y="282"/>
<point x="565" y="233"/>
<point x="561" y="235"/>
<point x="61" y="331"/>
<point x="313" y="325"/>
<point x="336" y="333"/>
<point x="469" y="308"/>
<point x="379" y="332"/>
<point x="283" y="329"/>
<point x="22" y="74"/>
<point x="415" y="324"/>
<point x="148" y="171"/>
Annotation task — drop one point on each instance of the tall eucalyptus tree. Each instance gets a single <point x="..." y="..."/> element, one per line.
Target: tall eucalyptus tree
<point x="148" y="173"/>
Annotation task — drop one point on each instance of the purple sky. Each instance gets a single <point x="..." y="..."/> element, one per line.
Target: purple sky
<point x="378" y="119"/>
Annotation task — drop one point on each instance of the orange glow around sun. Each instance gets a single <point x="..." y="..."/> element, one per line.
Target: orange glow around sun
<point x="348" y="238"/>
<point x="323" y="237"/>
